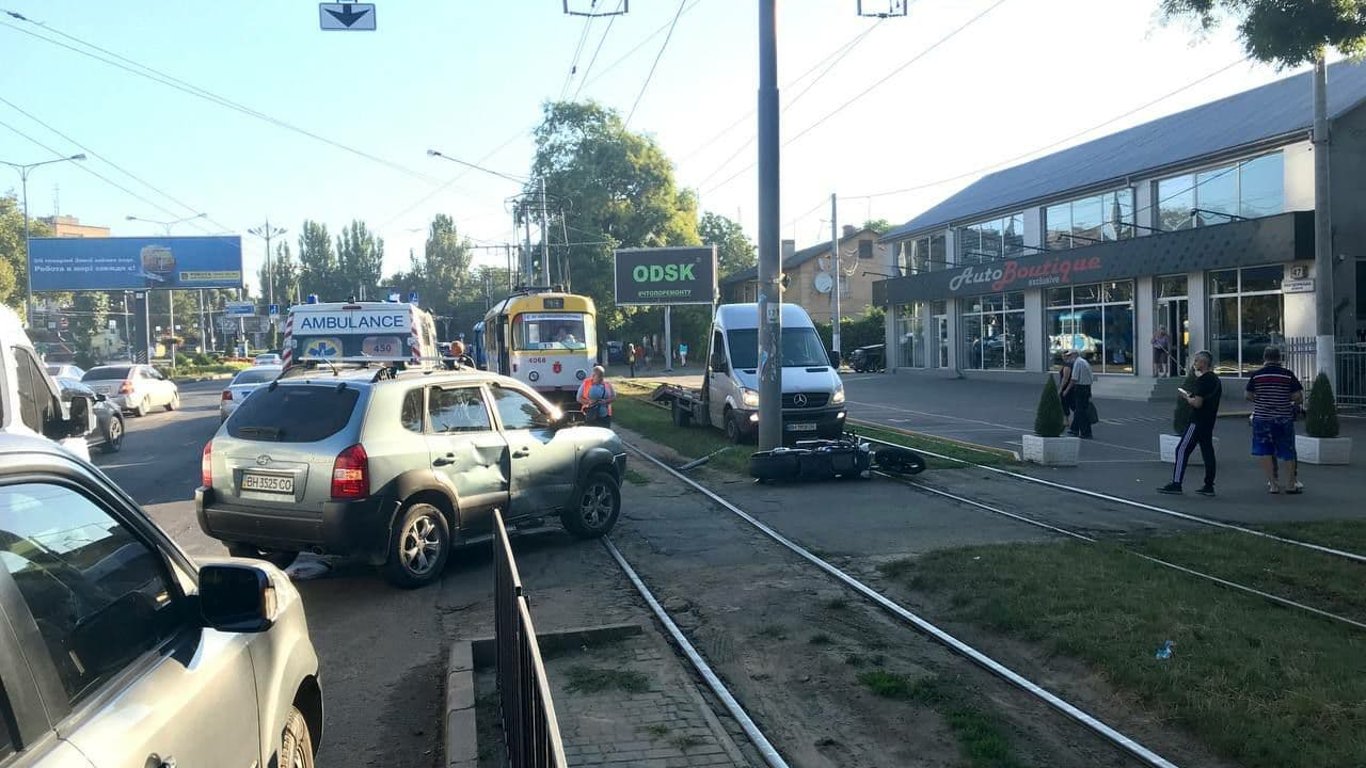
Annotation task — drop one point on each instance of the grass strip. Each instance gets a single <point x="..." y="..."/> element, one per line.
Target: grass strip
<point x="1348" y="535"/>
<point x="979" y="733"/>
<point x="1259" y="684"/>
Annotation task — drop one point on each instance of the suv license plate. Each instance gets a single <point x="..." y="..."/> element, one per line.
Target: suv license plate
<point x="801" y="427"/>
<point x="267" y="483"/>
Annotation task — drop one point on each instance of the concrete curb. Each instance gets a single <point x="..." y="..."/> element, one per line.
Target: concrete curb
<point x="206" y="377"/>
<point x="461" y="739"/>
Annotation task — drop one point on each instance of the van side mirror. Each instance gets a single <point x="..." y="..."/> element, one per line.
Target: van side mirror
<point x="236" y="598"/>
<point x="834" y="359"/>
<point x="81" y="420"/>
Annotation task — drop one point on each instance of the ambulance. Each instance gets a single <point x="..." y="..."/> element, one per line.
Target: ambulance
<point x="360" y="332"/>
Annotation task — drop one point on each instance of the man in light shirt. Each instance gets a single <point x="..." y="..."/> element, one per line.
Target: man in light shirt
<point x="1080" y="387"/>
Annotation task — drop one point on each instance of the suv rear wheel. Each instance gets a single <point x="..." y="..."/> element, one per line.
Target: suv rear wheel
<point x="419" y="546"/>
<point x="280" y="560"/>
<point x="597" y="504"/>
<point x="296" y="746"/>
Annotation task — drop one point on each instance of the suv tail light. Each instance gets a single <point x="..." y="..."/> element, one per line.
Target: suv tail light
<point x="227" y="394"/>
<point x="351" y="474"/>
<point x="126" y="388"/>
<point x="206" y="466"/>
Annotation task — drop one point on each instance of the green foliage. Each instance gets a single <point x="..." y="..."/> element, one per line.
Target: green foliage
<point x="1322" y="420"/>
<point x="856" y="332"/>
<point x="89" y="316"/>
<point x="13" y="264"/>
<point x="1284" y="32"/>
<point x="880" y="226"/>
<point x="286" y="271"/>
<point x="1181" y="417"/>
<point x="1048" y="419"/>
<point x="734" y="251"/>
<point x="318" y="271"/>
<point x="360" y="259"/>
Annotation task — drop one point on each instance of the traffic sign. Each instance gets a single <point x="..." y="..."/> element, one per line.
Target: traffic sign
<point x="412" y="297"/>
<point x="241" y="308"/>
<point x="350" y="17"/>
<point x="274" y="310"/>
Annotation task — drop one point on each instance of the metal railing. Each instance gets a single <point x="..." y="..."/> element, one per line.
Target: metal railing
<point x="530" y="729"/>
<point x="1301" y="356"/>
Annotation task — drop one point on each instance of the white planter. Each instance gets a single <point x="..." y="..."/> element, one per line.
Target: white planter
<point x="1051" y="451"/>
<point x="1323" y="450"/>
<point x="1166" y="445"/>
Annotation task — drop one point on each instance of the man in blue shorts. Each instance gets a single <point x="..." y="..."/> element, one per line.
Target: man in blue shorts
<point x="1276" y="394"/>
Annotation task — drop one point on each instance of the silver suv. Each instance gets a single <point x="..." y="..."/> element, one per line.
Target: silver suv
<point x="119" y="650"/>
<point x="398" y="467"/>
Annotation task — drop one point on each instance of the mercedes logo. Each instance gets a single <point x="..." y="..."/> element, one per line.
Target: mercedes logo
<point x="263" y="460"/>
<point x="799" y="400"/>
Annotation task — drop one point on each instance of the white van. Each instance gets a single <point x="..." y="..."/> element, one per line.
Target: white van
<point x="813" y="394"/>
<point x="30" y="401"/>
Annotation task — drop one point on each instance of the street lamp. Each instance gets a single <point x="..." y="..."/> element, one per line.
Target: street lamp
<point x="166" y="225"/>
<point x="266" y="232"/>
<point x="24" y="170"/>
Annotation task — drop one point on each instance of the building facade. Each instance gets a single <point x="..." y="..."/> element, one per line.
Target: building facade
<point x="810" y="278"/>
<point x="70" y="226"/>
<point x="1194" y="231"/>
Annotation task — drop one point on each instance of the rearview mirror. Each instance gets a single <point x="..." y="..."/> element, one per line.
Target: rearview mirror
<point x="236" y="598"/>
<point x="81" y="420"/>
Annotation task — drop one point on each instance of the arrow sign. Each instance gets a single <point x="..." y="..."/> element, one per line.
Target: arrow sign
<point x="346" y="16"/>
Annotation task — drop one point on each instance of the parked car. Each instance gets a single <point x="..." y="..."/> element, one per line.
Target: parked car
<point x="120" y="650"/>
<point x="108" y="432"/>
<point x="135" y="388"/>
<point x="268" y="359"/>
<point x="397" y="467"/>
<point x="243" y="384"/>
<point x="870" y="358"/>
<point x="65" y="370"/>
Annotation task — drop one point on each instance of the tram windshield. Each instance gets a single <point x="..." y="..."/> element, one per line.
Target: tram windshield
<point x="543" y="331"/>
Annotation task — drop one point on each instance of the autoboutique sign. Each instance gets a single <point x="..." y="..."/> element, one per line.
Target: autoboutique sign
<point x="135" y="263"/>
<point x="658" y="276"/>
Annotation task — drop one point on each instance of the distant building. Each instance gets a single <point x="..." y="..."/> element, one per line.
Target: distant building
<point x="70" y="226"/>
<point x="862" y="261"/>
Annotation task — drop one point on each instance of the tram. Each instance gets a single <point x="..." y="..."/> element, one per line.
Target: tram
<point x="544" y="337"/>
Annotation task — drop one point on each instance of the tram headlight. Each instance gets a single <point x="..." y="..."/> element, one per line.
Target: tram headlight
<point x="534" y="376"/>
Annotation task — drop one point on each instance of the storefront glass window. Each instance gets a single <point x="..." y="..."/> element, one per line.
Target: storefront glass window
<point x="911" y="339"/>
<point x="1088" y="220"/>
<point x="991" y="240"/>
<point x="1100" y="329"/>
<point x="992" y="330"/>
<point x="1247" y="314"/>
<point x="1171" y="317"/>
<point x="1248" y="189"/>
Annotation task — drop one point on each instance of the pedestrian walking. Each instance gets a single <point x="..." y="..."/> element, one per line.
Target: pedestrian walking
<point x="596" y="396"/>
<point x="631" y="358"/>
<point x="1276" y="394"/>
<point x="683" y="354"/>
<point x="1082" y="379"/>
<point x="1065" y="386"/>
<point x="1204" y="402"/>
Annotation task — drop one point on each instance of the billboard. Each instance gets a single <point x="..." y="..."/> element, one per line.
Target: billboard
<point x="134" y="263"/>
<point x="659" y="276"/>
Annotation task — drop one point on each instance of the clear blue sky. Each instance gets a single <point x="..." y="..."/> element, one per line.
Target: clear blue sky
<point x="470" y="76"/>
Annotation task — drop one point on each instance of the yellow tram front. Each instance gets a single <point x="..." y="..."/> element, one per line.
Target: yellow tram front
<point x="547" y="339"/>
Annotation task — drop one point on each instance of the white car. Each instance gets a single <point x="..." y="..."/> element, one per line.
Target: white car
<point x="268" y="359"/>
<point x="65" y="371"/>
<point x="243" y="384"/>
<point x="136" y="388"/>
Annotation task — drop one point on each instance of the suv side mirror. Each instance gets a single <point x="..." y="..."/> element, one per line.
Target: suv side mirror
<point x="81" y="421"/>
<point x="236" y="598"/>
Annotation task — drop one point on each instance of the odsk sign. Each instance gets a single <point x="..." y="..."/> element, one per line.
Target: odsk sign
<point x="660" y="276"/>
<point x="135" y="263"/>
<point x="347" y="16"/>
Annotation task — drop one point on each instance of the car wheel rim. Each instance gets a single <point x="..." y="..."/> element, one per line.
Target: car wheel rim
<point x="115" y="433"/>
<point x="421" y="545"/>
<point x="597" y="505"/>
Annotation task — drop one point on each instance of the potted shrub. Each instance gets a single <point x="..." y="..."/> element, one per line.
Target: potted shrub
<point x="1321" y="444"/>
<point x="1047" y="446"/>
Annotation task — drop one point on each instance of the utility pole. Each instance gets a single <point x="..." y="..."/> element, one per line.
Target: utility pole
<point x="1325" y="321"/>
<point x="267" y="232"/>
<point x="24" y="170"/>
<point x="528" y="275"/>
<point x="770" y="258"/>
<point x="545" y="237"/>
<point x="835" y="269"/>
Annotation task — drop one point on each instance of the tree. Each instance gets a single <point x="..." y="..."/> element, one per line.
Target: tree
<point x="619" y="191"/>
<point x="286" y="271"/>
<point x="13" y="263"/>
<point x="360" y="259"/>
<point x="1283" y="32"/>
<point x="446" y="259"/>
<point x="89" y="316"/>
<point x="1048" y="417"/>
<point x="734" y="250"/>
<point x="318" y="262"/>
<point x="880" y="226"/>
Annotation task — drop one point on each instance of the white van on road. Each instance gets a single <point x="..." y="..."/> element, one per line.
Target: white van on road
<point x="813" y="394"/>
<point x="30" y="400"/>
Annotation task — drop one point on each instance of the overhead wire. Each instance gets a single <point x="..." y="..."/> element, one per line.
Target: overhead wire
<point x="574" y="63"/>
<point x="690" y="5"/>
<point x="650" y="76"/>
<point x="134" y="67"/>
<point x="589" y="69"/>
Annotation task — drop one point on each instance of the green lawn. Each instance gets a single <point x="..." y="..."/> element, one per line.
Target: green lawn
<point x="1349" y="535"/>
<point x="1260" y="684"/>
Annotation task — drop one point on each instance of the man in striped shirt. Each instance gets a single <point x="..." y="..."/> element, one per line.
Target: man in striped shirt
<point x="1276" y="394"/>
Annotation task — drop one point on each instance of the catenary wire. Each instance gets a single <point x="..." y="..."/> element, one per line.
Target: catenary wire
<point x="651" y="74"/>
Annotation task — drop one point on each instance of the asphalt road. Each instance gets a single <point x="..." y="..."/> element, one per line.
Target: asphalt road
<point x="381" y="649"/>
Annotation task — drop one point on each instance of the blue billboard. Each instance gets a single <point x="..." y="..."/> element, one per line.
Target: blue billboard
<point x="134" y="263"/>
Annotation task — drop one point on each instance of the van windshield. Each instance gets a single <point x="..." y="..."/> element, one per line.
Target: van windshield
<point x="802" y="348"/>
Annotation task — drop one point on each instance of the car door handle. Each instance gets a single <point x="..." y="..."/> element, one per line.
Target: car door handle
<point x="521" y="453"/>
<point x="156" y="761"/>
<point x="444" y="460"/>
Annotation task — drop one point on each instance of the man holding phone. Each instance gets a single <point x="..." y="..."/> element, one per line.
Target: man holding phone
<point x="1204" y="403"/>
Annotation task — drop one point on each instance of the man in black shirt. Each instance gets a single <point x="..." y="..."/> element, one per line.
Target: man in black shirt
<point x="1204" y="403"/>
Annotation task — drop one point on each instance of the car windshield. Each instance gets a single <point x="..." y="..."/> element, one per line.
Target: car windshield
<point x="256" y="376"/>
<point x="108" y="373"/>
<point x="802" y="348"/>
<point x="293" y="414"/>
